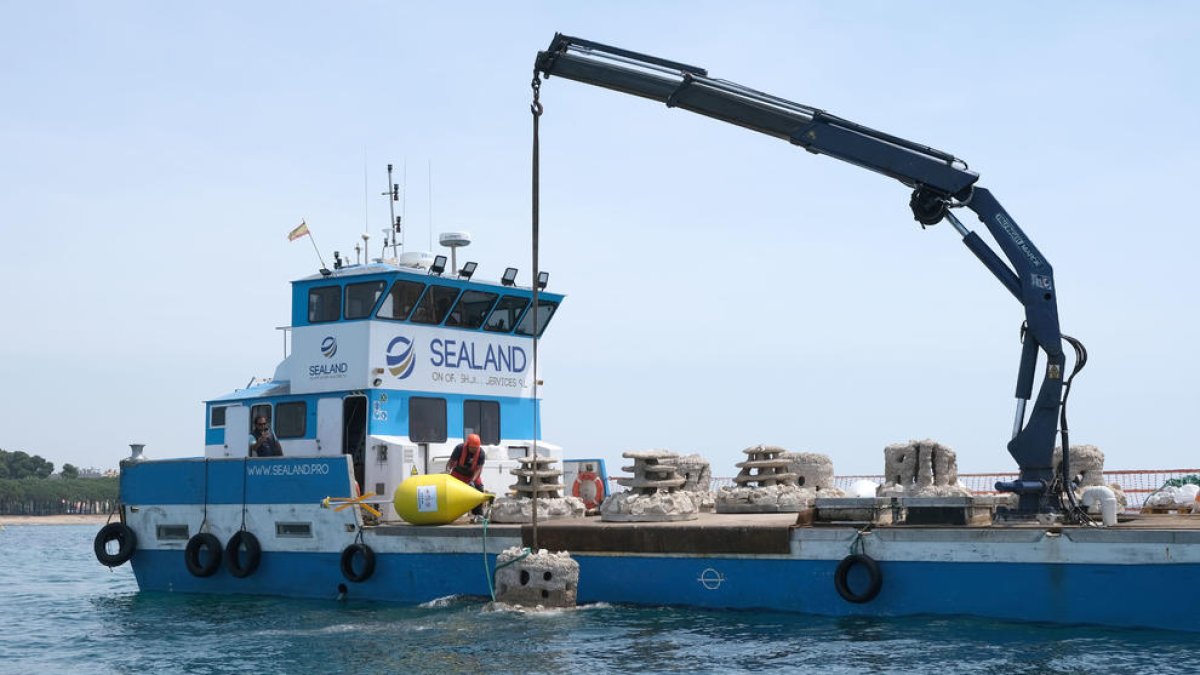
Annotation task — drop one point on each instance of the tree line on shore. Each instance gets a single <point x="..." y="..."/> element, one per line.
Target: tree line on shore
<point x="26" y="488"/>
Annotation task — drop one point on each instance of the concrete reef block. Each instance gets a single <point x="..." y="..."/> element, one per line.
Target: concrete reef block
<point x="649" y="508"/>
<point x="540" y="579"/>
<point x="920" y="469"/>
<point x="697" y="476"/>
<point x="696" y="472"/>
<point x="813" y="470"/>
<point x="520" y="509"/>
<point x="536" y="476"/>
<point x="653" y="471"/>
<point x="654" y="492"/>
<point x="773" y="480"/>
<point x="1087" y="469"/>
<point x="764" y="465"/>
<point x="1087" y="464"/>
<point x="764" y="499"/>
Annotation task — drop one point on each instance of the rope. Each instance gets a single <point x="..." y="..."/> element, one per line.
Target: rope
<point x="536" y="109"/>
<point x="525" y="553"/>
<point x="245" y="470"/>
<point x="858" y="546"/>
<point x="204" y="521"/>
<point x="487" y="571"/>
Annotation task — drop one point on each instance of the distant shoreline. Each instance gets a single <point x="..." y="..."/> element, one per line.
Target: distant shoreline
<point x="53" y="520"/>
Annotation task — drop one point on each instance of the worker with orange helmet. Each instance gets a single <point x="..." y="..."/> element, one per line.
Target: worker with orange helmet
<point x="466" y="463"/>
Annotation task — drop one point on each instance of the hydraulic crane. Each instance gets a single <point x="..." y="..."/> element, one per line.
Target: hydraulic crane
<point x="939" y="181"/>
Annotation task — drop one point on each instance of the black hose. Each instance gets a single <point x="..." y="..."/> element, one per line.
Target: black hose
<point x="1076" y="512"/>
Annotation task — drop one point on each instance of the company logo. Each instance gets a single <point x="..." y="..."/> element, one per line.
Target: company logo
<point x="400" y="357"/>
<point x="326" y="370"/>
<point x="329" y="347"/>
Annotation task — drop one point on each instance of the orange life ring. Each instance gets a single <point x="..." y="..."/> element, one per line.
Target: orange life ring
<point x="585" y="482"/>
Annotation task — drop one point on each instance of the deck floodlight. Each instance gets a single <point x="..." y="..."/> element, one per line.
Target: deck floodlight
<point x="510" y="276"/>
<point x="438" y="266"/>
<point x="467" y="270"/>
<point x="542" y="280"/>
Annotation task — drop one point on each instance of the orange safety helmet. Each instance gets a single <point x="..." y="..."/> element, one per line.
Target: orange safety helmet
<point x="472" y="441"/>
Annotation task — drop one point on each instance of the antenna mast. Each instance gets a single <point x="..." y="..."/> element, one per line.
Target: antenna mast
<point x="430" y="204"/>
<point x="404" y="200"/>
<point x="394" y="191"/>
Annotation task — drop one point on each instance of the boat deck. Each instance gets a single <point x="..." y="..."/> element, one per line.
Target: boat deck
<point x="765" y="533"/>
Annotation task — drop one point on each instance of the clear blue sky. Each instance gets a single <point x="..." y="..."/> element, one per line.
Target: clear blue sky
<point x="725" y="288"/>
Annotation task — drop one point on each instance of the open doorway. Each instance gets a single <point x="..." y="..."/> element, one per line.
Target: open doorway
<point x="354" y="435"/>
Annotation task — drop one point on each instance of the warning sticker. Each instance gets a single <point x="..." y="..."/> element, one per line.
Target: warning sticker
<point x="427" y="499"/>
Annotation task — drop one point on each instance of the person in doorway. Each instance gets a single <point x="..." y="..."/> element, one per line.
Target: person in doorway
<point x="466" y="464"/>
<point x="265" y="444"/>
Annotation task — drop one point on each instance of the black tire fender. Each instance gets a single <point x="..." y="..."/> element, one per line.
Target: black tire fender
<point x="242" y="539"/>
<point x="368" y="562"/>
<point x="191" y="554"/>
<point x="126" y="544"/>
<point x="873" y="571"/>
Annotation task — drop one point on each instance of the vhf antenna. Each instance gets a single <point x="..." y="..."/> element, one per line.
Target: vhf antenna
<point x="395" y="194"/>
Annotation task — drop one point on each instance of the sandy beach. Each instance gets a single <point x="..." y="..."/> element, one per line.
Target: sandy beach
<point x="52" y="520"/>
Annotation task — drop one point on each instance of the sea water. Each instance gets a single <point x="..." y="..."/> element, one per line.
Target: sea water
<point x="62" y="612"/>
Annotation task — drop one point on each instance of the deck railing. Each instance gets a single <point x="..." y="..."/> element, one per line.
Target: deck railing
<point x="1137" y="484"/>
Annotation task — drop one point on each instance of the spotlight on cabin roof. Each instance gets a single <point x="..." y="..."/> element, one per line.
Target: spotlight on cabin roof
<point x="543" y="278"/>
<point x="438" y="266"/>
<point x="468" y="269"/>
<point x="510" y="276"/>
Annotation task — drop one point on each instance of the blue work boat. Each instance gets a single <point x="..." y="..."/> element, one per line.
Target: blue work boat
<point x="396" y="361"/>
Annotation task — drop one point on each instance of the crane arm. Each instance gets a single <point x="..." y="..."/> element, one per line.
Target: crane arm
<point x="939" y="180"/>
<point x="682" y="86"/>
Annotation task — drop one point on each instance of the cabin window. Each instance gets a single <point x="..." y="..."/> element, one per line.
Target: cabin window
<point x="434" y="305"/>
<point x="324" y="304"/>
<point x="545" y="310"/>
<point x="471" y="309"/>
<point x="216" y="416"/>
<point x="293" y="529"/>
<point x="504" y="317"/>
<point x="361" y="298"/>
<point x="427" y="420"/>
<point x="291" y="419"/>
<point x="172" y="532"/>
<point x="401" y="300"/>
<point x="483" y="418"/>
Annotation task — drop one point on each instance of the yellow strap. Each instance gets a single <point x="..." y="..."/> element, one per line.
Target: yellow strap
<point x="347" y="502"/>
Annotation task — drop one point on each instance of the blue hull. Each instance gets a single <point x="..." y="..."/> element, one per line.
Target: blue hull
<point x="409" y="578"/>
<point x="1058" y="575"/>
<point x="1151" y="596"/>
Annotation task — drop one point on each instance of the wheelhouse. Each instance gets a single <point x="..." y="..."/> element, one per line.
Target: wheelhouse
<point x="394" y="366"/>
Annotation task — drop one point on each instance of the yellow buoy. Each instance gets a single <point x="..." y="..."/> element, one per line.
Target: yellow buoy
<point x="435" y="499"/>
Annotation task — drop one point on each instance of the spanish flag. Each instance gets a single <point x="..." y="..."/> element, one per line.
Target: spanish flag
<point x="300" y="231"/>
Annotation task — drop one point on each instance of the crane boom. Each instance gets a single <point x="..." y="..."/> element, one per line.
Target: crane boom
<point x="940" y="181"/>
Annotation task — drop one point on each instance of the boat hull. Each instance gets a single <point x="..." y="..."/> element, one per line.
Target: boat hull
<point x="1133" y="575"/>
